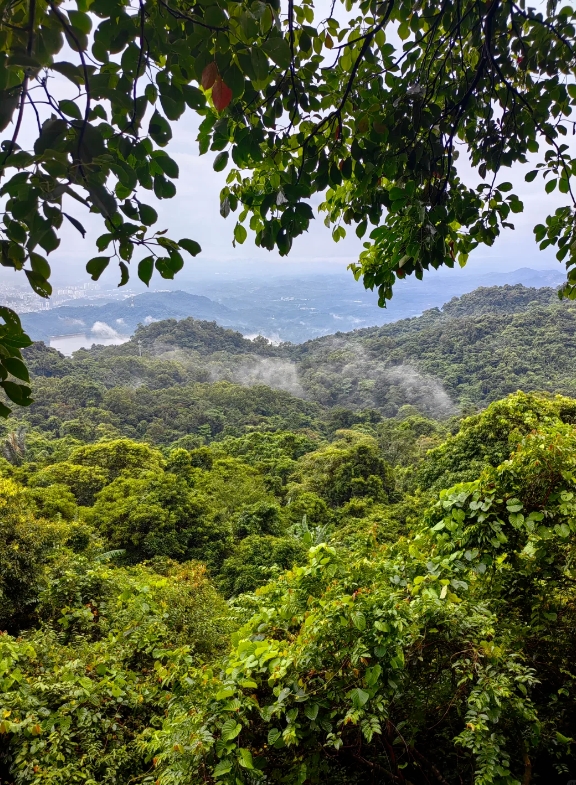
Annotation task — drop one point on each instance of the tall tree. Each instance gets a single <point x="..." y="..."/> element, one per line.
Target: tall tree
<point x="369" y="108"/>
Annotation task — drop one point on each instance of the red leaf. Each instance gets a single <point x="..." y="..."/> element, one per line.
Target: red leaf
<point x="209" y="75"/>
<point x="221" y="94"/>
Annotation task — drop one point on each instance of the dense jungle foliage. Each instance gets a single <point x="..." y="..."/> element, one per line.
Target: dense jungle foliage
<point x="248" y="586"/>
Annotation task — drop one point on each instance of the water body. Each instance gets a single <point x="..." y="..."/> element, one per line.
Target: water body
<point x="68" y="344"/>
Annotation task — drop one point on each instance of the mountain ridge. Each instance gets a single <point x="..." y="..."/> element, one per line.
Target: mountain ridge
<point x="478" y="348"/>
<point x="291" y="309"/>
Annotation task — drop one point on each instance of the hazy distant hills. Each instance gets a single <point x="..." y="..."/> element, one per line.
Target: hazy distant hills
<point x="476" y="349"/>
<point x="292" y="309"/>
<point x="123" y="317"/>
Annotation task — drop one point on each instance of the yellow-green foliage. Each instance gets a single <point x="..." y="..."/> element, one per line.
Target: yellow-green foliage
<point x="350" y="466"/>
<point x="114" y="648"/>
<point x="25" y="545"/>
<point x="375" y="629"/>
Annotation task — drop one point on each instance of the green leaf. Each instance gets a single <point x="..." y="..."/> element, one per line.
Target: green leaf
<point x="373" y="674"/>
<point x="96" y="266"/>
<point x="104" y="241"/>
<point x="278" y="50"/>
<point x="173" y="109"/>
<point x="191" y="246"/>
<point x="124" y="274"/>
<point x="359" y="620"/>
<point x="49" y="240"/>
<point x="230" y="730"/>
<point x="17" y="368"/>
<point x="259" y="64"/>
<point x="311" y="710"/>
<point x="222" y="767"/>
<point x="70" y="108"/>
<point x="225" y="692"/>
<point x="273" y="735"/>
<point x="102" y="199"/>
<point x="194" y="97"/>
<point x="163" y="188"/>
<point x="168" y="165"/>
<point x="38" y="283"/>
<point x="76" y="224"/>
<point x="72" y="72"/>
<point x="240" y="233"/>
<point x="148" y="215"/>
<point x="80" y="21"/>
<point x="40" y="265"/>
<point x="145" y="269"/>
<point x="359" y="697"/>
<point x="17" y="393"/>
<point x="159" y="129"/>
<point x="22" y="59"/>
<point x="220" y="161"/>
<point x="245" y="758"/>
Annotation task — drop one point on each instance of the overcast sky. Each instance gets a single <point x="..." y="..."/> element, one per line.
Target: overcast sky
<point x="194" y="213"/>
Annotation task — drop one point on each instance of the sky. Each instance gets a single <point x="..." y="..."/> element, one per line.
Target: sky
<point x="194" y="213"/>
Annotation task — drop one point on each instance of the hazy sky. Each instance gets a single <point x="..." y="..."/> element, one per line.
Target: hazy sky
<point x="194" y="213"/>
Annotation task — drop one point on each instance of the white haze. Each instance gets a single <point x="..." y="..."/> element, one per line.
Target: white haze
<point x="425" y="392"/>
<point x="276" y="373"/>
<point x="103" y="330"/>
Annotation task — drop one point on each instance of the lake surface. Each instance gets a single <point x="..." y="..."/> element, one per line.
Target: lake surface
<point x="67" y="344"/>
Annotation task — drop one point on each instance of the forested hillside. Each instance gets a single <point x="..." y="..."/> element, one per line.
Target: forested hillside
<point x="208" y="579"/>
<point x="198" y="381"/>
<point x="477" y="349"/>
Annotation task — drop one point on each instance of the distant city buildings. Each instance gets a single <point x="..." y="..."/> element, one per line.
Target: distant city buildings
<point x="23" y="300"/>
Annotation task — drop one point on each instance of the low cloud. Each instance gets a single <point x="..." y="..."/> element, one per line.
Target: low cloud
<point x="367" y="381"/>
<point x="424" y="392"/>
<point x="275" y="373"/>
<point x="70" y="321"/>
<point x="103" y="330"/>
<point x="274" y="339"/>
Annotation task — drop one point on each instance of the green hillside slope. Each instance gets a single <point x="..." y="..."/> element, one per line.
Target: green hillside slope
<point x="160" y="385"/>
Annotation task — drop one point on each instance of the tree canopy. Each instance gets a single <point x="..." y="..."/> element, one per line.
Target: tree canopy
<point x="412" y="622"/>
<point x="367" y="107"/>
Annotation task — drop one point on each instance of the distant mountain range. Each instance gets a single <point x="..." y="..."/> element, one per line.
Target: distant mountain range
<point x="291" y="309"/>
<point x="476" y="349"/>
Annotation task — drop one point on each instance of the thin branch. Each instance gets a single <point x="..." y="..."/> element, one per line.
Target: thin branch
<point x="33" y="105"/>
<point x="73" y="36"/>
<point x="12" y="143"/>
<point x="139" y="64"/>
<point x="31" y="21"/>
<point x="292" y="70"/>
<point x="368" y="40"/>
<point x="24" y="86"/>
<point x="546" y="24"/>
